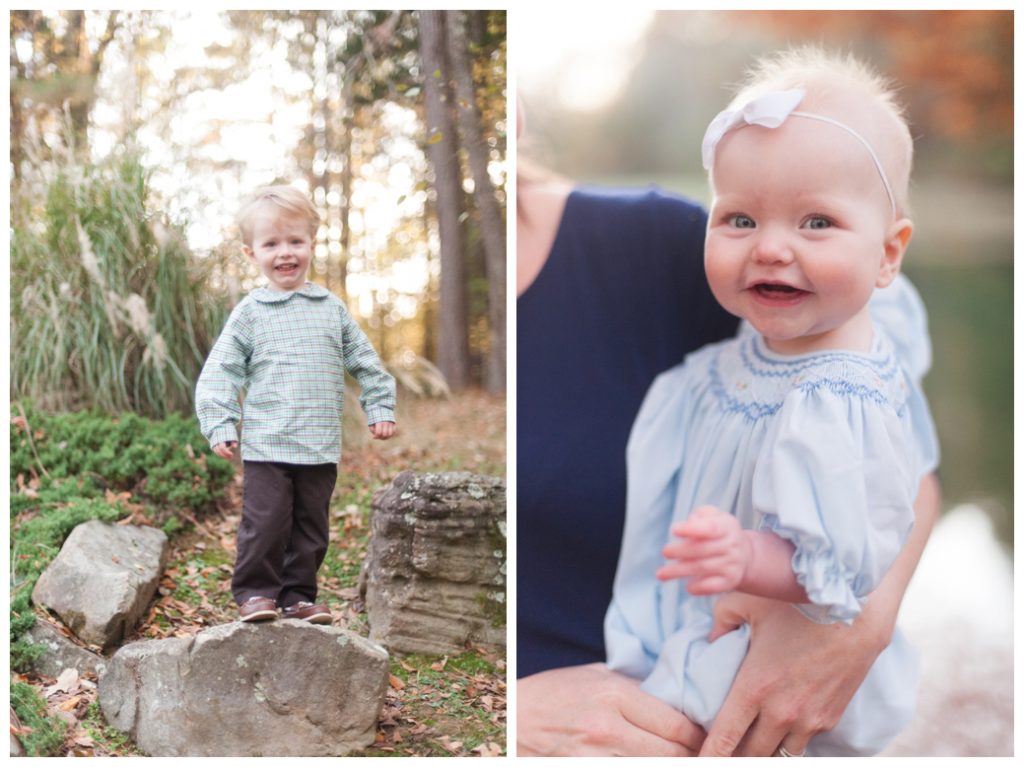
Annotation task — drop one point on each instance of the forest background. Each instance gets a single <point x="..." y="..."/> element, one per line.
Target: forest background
<point x="210" y="105"/>
<point x="135" y="134"/>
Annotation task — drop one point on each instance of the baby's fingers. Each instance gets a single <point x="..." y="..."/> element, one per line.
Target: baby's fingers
<point x="710" y="584"/>
<point x="695" y="548"/>
<point x="711" y="564"/>
<point x="673" y="570"/>
<point x="696" y="528"/>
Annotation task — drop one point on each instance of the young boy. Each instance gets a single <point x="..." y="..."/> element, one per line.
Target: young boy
<point x="288" y="345"/>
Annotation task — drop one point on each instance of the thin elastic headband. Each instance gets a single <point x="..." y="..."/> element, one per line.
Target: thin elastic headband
<point x="770" y="110"/>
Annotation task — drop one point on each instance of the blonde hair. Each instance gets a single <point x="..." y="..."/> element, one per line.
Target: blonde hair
<point x="825" y="75"/>
<point x="287" y="199"/>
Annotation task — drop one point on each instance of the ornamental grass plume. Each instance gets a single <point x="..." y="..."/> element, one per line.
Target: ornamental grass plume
<point x="109" y="308"/>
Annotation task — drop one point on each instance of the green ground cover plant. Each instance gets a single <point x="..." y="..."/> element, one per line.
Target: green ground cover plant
<point x="69" y="468"/>
<point x="39" y="734"/>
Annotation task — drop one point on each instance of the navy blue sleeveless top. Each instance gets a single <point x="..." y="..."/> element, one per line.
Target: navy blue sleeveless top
<point x="621" y="298"/>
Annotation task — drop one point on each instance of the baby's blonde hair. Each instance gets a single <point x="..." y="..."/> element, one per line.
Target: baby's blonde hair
<point x="287" y="199"/>
<point x="823" y="75"/>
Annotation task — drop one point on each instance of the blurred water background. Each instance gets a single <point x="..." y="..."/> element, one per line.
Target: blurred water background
<point x="623" y="99"/>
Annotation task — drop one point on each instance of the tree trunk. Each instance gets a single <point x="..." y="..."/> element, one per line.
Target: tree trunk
<point x="87" y="67"/>
<point x="19" y="20"/>
<point x="79" y="107"/>
<point x="442" y="149"/>
<point x="347" y="123"/>
<point x="492" y="223"/>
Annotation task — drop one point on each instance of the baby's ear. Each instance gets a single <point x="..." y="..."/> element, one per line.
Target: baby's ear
<point x="896" y="242"/>
<point x="247" y="252"/>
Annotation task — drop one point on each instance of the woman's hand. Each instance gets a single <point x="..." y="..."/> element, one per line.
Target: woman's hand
<point x="591" y="711"/>
<point x="796" y="681"/>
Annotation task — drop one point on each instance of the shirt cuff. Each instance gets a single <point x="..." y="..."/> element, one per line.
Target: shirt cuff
<point x="225" y="433"/>
<point x="379" y="413"/>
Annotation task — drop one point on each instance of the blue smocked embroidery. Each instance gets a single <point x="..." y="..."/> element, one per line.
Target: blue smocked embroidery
<point x="885" y="368"/>
<point x="800" y="376"/>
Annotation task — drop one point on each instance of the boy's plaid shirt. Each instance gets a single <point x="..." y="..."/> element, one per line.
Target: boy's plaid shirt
<point x="289" y="352"/>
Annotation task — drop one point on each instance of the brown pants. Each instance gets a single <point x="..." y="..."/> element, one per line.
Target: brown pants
<point x="283" y="536"/>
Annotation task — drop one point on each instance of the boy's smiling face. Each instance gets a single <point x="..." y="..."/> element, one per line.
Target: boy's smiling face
<point x="282" y="247"/>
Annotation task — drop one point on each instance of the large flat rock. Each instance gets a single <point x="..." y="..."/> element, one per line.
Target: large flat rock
<point x="283" y="688"/>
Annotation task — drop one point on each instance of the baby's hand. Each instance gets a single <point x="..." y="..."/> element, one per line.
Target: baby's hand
<point x="382" y="429"/>
<point x="225" y="449"/>
<point x="712" y="552"/>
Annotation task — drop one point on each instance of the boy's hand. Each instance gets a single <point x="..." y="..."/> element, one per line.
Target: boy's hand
<point x="382" y="429"/>
<point x="713" y="552"/>
<point x="225" y="449"/>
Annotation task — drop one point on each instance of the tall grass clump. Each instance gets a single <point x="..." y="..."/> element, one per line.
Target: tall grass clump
<point x="109" y="308"/>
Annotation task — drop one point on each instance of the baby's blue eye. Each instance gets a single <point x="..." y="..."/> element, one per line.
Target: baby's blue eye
<point x="741" y="221"/>
<point x="817" y="222"/>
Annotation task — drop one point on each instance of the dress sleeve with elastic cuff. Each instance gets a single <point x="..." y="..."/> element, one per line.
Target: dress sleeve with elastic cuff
<point x="833" y="478"/>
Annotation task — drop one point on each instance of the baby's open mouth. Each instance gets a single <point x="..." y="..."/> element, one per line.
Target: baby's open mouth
<point x="776" y="290"/>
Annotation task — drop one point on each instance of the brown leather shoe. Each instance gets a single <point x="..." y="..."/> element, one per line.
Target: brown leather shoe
<point x="258" y="609"/>
<point x="309" y="612"/>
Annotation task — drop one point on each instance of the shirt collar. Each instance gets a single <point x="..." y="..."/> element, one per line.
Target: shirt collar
<point x="268" y="296"/>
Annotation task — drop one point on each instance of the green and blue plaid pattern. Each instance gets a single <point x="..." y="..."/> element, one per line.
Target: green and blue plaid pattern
<point x="289" y="352"/>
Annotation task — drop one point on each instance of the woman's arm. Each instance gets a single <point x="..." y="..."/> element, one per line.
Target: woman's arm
<point x="798" y="676"/>
<point x="592" y="711"/>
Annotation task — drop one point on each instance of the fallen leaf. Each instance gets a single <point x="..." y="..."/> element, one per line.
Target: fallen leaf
<point x="488" y="749"/>
<point x="68" y="678"/>
<point x="395" y="682"/>
<point x="70" y="704"/>
<point x="452" y="746"/>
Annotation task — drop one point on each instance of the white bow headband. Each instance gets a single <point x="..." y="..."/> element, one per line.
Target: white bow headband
<point x="770" y="110"/>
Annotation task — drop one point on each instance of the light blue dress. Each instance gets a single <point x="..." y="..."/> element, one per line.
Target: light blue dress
<point x="827" y="451"/>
